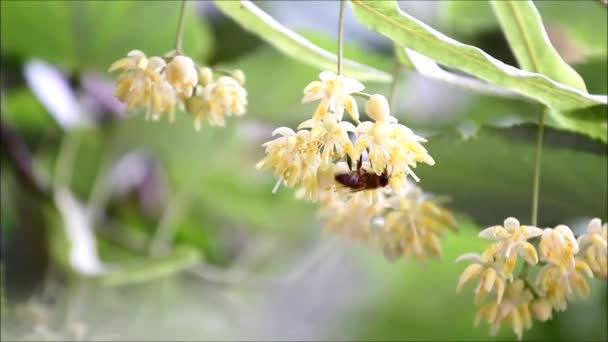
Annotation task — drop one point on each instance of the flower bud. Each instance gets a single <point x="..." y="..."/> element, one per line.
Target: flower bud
<point x="182" y="75"/>
<point x="239" y="76"/>
<point x="205" y="75"/>
<point x="377" y="108"/>
<point x="541" y="308"/>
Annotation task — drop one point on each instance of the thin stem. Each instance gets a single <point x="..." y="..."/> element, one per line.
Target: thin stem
<point x="362" y="95"/>
<point x="539" y="151"/>
<point x="396" y="71"/>
<point x="180" y="29"/>
<point x="341" y="35"/>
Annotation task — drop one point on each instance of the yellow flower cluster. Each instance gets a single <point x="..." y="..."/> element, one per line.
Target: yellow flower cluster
<point x="565" y="261"/>
<point x="161" y="84"/>
<point x="298" y="157"/>
<point x="374" y="202"/>
<point x="406" y="224"/>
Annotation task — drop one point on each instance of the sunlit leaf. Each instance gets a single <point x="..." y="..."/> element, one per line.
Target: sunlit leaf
<point x="257" y="21"/>
<point x="386" y="18"/>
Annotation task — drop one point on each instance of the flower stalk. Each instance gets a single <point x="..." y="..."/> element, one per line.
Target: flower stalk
<point x="537" y="166"/>
<point x="341" y="35"/>
<point x="180" y="29"/>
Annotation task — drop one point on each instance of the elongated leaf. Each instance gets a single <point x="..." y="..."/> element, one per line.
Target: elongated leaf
<point x="386" y="18"/>
<point x="583" y="24"/>
<point x="429" y="68"/>
<point x="257" y="21"/>
<point x="523" y="27"/>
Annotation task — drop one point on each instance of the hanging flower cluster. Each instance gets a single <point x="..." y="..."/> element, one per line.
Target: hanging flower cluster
<point x="161" y="84"/>
<point x="366" y="200"/>
<point x="407" y="224"/>
<point x="562" y="262"/>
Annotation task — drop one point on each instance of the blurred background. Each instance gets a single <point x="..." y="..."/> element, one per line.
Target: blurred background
<point x="197" y="245"/>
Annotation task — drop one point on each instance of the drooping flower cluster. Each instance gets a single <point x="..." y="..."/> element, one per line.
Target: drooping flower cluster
<point x="410" y="223"/>
<point x="565" y="262"/>
<point x="296" y="157"/>
<point x="374" y="201"/>
<point x="161" y="85"/>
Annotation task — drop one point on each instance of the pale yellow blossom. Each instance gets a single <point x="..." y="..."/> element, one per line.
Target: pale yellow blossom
<point x="490" y="278"/>
<point x="594" y="246"/>
<point x="331" y="137"/>
<point x="557" y="285"/>
<point x="334" y="92"/>
<point x="293" y="157"/>
<point x="513" y="309"/>
<point x="413" y="224"/>
<point x="542" y="309"/>
<point x="558" y="246"/>
<point x="392" y="147"/>
<point x="511" y="242"/>
<point x="217" y="100"/>
<point x="143" y="85"/>
<point x="182" y="75"/>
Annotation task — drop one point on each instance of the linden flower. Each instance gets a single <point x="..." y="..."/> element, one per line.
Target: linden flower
<point x="514" y="309"/>
<point x="141" y="84"/>
<point x="489" y="278"/>
<point x="334" y="92"/>
<point x="414" y="224"/>
<point x="216" y="101"/>
<point x="182" y="75"/>
<point x="557" y="286"/>
<point x="511" y="241"/>
<point x="331" y="136"/>
<point x="293" y="158"/>
<point x="558" y="246"/>
<point x="390" y="145"/>
<point x="352" y="217"/>
<point x="595" y="247"/>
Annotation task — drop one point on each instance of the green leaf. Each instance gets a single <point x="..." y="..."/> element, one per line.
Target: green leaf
<point x="386" y="18"/>
<point x="489" y="175"/>
<point x="181" y="258"/>
<point x="523" y="27"/>
<point x="93" y="34"/>
<point x="257" y="21"/>
<point x="582" y="22"/>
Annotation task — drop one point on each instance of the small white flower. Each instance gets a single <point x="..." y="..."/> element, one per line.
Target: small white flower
<point x="511" y="241"/>
<point x="182" y="75"/>
<point x="392" y="147"/>
<point x="334" y="92"/>
<point x="143" y="85"/>
<point x="557" y="285"/>
<point x="558" y="246"/>
<point x="292" y="157"/>
<point x="331" y="137"/>
<point x="594" y="246"/>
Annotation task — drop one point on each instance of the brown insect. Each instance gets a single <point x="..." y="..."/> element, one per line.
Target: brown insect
<point x="360" y="179"/>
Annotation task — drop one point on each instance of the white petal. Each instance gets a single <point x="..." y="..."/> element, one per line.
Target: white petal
<point x="310" y="123"/>
<point x="312" y="96"/>
<point x="534" y="231"/>
<point x="511" y="224"/>
<point x="284" y="131"/>
<point x="351" y="85"/>
<point x="469" y="256"/>
<point x="364" y="127"/>
<point x="327" y="75"/>
<point x="595" y="226"/>
<point x="347" y="126"/>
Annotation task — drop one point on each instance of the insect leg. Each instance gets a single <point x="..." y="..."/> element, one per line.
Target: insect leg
<point x="360" y="162"/>
<point x="349" y="162"/>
